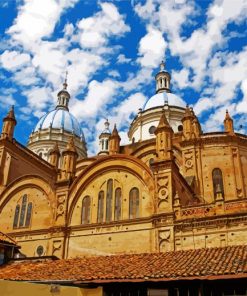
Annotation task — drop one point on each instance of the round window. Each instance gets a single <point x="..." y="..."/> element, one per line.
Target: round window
<point x="40" y="250"/>
<point x="152" y="130"/>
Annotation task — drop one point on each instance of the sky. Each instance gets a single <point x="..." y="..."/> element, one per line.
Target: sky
<point x="112" y="50"/>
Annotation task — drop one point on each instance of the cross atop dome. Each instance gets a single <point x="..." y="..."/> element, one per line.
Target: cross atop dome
<point x="162" y="66"/>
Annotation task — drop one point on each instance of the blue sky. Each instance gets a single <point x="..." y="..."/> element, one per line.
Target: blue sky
<point x="112" y="50"/>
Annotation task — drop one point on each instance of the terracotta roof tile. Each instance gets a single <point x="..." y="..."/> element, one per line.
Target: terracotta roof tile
<point x="7" y="239"/>
<point x="190" y="264"/>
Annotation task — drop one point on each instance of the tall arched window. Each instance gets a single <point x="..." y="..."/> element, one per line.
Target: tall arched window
<point x="16" y="218"/>
<point x="23" y="210"/>
<point x="100" y="214"/>
<point x="118" y="201"/>
<point x="85" y="218"/>
<point x="109" y="200"/>
<point x="218" y="182"/>
<point x="134" y="203"/>
<point x="23" y="213"/>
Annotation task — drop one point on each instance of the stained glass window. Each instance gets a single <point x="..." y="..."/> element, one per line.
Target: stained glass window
<point x="134" y="203"/>
<point x="86" y="210"/>
<point x="16" y="218"/>
<point x="23" y="210"/>
<point x="100" y="214"/>
<point x="109" y="200"/>
<point x="118" y="201"/>
<point x="29" y="213"/>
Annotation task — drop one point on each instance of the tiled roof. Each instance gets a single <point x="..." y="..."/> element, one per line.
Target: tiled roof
<point x="213" y="263"/>
<point x="4" y="238"/>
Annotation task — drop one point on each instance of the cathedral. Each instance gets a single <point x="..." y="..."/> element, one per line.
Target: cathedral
<point x="173" y="188"/>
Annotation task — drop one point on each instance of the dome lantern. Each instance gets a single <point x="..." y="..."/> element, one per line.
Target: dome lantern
<point x="63" y="96"/>
<point x="163" y="79"/>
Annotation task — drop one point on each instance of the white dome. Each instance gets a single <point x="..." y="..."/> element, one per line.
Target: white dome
<point x="161" y="98"/>
<point x="60" y="118"/>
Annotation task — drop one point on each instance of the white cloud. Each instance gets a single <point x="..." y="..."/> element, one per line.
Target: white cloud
<point x="151" y="48"/>
<point x="181" y="78"/>
<point x="203" y="104"/>
<point x="114" y="74"/>
<point x="96" y="30"/>
<point x="37" y="19"/>
<point x="122" y="59"/>
<point x="7" y="101"/>
<point x="38" y="98"/>
<point x="99" y="94"/>
<point x="12" y="60"/>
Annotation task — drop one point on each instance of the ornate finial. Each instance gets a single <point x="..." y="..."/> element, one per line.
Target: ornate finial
<point x="162" y="66"/>
<point x="107" y="124"/>
<point x="65" y="84"/>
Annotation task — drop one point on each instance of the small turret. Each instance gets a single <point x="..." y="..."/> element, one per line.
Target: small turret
<point x="54" y="156"/>
<point x="9" y="123"/>
<point x="196" y="126"/>
<point x="114" y="143"/>
<point x="163" y="79"/>
<point x="187" y="121"/>
<point x="69" y="161"/>
<point x="104" y="139"/>
<point x="164" y="135"/>
<point x="228" y="124"/>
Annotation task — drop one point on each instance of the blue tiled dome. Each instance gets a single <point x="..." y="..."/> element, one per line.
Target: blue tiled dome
<point x="60" y="118"/>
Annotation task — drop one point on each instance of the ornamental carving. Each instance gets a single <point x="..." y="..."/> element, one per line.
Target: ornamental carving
<point x="163" y="190"/>
<point x="56" y="247"/>
<point x="188" y="161"/>
<point x="60" y="206"/>
<point x="164" y="237"/>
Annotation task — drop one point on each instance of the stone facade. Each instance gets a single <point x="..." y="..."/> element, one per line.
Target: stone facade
<point x="176" y="190"/>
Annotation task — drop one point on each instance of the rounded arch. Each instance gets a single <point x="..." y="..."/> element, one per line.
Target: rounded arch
<point x="26" y="181"/>
<point x="106" y="164"/>
<point x="39" y="209"/>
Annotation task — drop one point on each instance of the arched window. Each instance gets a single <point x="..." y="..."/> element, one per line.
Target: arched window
<point x="85" y="218"/>
<point x="16" y="218"/>
<point x="118" y="201"/>
<point x="218" y="182"/>
<point x="23" y="213"/>
<point x="106" y="144"/>
<point x="109" y="200"/>
<point x="23" y="210"/>
<point x="165" y="82"/>
<point x="134" y="203"/>
<point x="29" y="213"/>
<point x="100" y="214"/>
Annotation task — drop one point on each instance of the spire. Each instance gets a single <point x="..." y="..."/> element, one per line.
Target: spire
<point x="71" y="146"/>
<point x="114" y="144"/>
<point x="69" y="161"/>
<point x="115" y="131"/>
<point x="163" y="79"/>
<point x="55" y="149"/>
<point x="54" y="155"/>
<point x="9" y="123"/>
<point x="63" y="96"/>
<point x="163" y="123"/>
<point x="228" y="124"/>
<point x="164" y="134"/>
